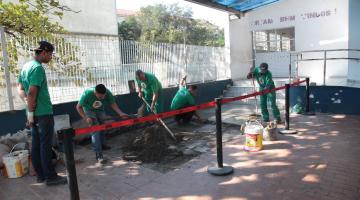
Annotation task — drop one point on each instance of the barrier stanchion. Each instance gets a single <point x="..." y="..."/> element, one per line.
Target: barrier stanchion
<point x="66" y="136"/>
<point x="287" y="129"/>
<point x="220" y="170"/>
<point x="307" y="98"/>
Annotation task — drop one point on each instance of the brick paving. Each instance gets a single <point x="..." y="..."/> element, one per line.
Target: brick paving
<point x="321" y="162"/>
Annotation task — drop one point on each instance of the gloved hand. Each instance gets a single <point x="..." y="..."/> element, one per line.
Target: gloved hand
<point x="30" y="118"/>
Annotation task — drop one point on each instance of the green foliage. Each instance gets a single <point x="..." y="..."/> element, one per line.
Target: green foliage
<point x="170" y="24"/>
<point x="28" y="21"/>
<point x="31" y="17"/>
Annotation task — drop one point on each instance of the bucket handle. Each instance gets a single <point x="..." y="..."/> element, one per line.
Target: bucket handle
<point x="13" y="149"/>
<point x="257" y="123"/>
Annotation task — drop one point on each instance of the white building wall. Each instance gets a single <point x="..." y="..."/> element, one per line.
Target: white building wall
<point x="327" y="29"/>
<point x="95" y="17"/>
<point x="354" y="40"/>
<point x="240" y="48"/>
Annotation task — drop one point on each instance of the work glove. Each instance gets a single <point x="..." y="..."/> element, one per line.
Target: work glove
<point x="30" y="118"/>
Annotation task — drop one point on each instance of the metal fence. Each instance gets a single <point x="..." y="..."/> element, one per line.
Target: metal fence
<point x="82" y="61"/>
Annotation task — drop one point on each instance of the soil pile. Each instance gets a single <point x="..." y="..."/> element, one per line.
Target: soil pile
<point x="151" y="145"/>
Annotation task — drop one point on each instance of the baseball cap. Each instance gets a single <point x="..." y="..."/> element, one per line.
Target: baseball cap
<point x="44" y="46"/>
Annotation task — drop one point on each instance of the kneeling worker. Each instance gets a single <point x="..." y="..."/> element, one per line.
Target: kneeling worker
<point x="185" y="98"/>
<point x="91" y="108"/>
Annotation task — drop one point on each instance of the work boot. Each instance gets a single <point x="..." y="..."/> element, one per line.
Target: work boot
<point x="105" y="147"/>
<point x="57" y="180"/>
<point x="100" y="158"/>
<point x="40" y="179"/>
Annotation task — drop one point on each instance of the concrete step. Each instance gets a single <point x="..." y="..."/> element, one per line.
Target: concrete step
<point x="235" y="91"/>
<point x="248" y="83"/>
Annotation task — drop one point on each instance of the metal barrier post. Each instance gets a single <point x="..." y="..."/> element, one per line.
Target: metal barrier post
<point x="324" y="81"/>
<point x="307" y="98"/>
<point x="287" y="129"/>
<point x="67" y="135"/>
<point x="220" y="170"/>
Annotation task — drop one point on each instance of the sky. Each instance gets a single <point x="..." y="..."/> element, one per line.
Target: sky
<point x="199" y="12"/>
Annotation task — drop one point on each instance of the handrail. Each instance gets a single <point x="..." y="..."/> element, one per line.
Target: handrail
<point x="316" y="51"/>
<point x="297" y="57"/>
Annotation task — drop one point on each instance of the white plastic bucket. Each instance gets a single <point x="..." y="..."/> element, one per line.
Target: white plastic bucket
<point x="253" y="136"/>
<point x="16" y="163"/>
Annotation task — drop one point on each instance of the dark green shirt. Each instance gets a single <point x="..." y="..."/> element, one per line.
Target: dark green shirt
<point x="33" y="74"/>
<point x="264" y="80"/>
<point x="89" y="102"/>
<point x="182" y="98"/>
<point x="150" y="86"/>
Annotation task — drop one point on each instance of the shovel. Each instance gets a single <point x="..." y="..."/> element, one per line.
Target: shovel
<point x="160" y="120"/>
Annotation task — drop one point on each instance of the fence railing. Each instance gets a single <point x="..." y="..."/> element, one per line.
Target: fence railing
<point x="337" y="67"/>
<point x="82" y="61"/>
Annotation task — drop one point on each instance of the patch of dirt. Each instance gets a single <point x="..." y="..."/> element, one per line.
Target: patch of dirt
<point x="151" y="145"/>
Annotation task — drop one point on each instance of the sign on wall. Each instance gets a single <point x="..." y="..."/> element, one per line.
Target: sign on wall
<point x="296" y="17"/>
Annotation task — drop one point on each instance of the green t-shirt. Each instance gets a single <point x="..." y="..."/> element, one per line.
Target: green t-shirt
<point x="33" y="74"/>
<point x="89" y="102"/>
<point x="150" y="86"/>
<point x="182" y="98"/>
<point x="264" y="80"/>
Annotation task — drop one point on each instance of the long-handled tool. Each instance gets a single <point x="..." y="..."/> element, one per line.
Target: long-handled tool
<point x="256" y="115"/>
<point x="160" y="120"/>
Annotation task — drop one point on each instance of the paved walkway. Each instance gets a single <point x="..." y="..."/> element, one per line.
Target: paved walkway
<point x="320" y="162"/>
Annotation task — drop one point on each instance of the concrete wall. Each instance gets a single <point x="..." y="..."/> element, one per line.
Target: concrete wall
<point x="354" y="39"/>
<point x="240" y="48"/>
<point x="328" y="29"/>
<point x="14" y="121"/>
<point x="95" y="17"/>
<point x="328" y="99"/>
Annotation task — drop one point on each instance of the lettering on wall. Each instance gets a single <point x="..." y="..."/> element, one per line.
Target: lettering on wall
<point x="291" y="18"/>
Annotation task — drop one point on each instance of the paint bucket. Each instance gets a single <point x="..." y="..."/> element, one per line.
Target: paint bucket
<point x="16" y="163"/>
<point x="253" y="136"/>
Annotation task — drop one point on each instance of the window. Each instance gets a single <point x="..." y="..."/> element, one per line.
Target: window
<point x="274" y="40"/>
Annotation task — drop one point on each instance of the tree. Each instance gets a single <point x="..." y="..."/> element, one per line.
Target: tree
<point x="170" y="24"/>
<point x="129" y="29"/>
<point x="37" y="19"/>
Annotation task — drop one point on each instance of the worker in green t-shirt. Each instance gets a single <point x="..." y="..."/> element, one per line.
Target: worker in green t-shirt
<point x="264" y="78"/>
<point x="33" y="89"/>
<point x="91" y="109"/>
<point x="151" y="90"/>
<point x="184" y="98"/>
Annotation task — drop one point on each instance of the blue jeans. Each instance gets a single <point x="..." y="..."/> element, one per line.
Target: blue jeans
<point x="97" y="138"/>
<point x="42" y="133"/>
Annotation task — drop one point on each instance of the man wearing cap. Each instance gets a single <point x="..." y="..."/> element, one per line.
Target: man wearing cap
<point x="264" y="78"/>
<point x="91" y="109"/>
<point x="151" y="90"/>
<point x="184" y="98"/>
<point x="32" y="87"/>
